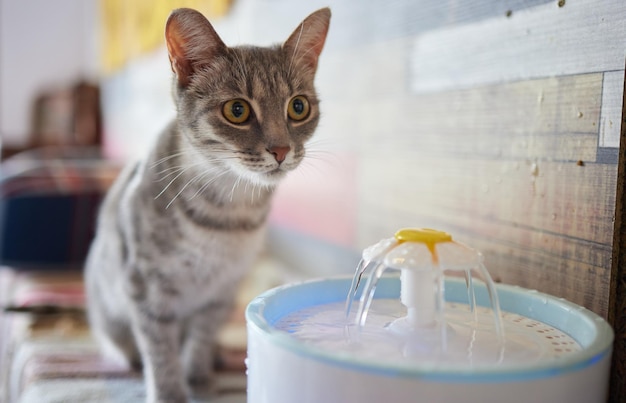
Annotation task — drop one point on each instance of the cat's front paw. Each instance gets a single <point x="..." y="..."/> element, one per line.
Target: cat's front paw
<point x="200" y="373"/>
<point x="203" y="388"/>
<point x="170" y="397"/>
<point x="168" y="394"/>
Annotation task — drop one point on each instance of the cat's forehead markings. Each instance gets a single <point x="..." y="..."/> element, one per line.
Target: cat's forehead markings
<point x="258" y="112"/>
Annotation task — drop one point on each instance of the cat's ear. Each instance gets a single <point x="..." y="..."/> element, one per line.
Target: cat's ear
<point x="307" y="41"/>
<point x="191" y="43"/>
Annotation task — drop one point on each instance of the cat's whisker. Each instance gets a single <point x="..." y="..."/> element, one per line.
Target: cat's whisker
<point x="203" y="161"/>
<point x="175" y="169"/>
<point x="326" y="144"/>
<point x="162" y="160"/>
<point x="235" y="185"/>
<point x="208" y="183"/>
<point x="245" y="188"/>
<point x="182" y="171"/>
<point x="189" y="182"/>
<point x="259" y="190"/>
<point x="327" y="158"/>
<point x="309" y="169"/>
<point x="202" y="175"/>
<point x="172" y="181"/>
<point x="257" y="187"/>
<point x="252" y="192"/>
<point x="183" y="151"/>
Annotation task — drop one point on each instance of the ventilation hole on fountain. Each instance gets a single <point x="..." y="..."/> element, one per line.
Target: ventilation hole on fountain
<point x="546" y="335"/>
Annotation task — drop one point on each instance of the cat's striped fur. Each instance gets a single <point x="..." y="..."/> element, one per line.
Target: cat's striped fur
<point x="179" y="228"/>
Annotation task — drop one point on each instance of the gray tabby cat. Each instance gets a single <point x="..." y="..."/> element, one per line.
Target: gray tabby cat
<point x="178" y="229"/>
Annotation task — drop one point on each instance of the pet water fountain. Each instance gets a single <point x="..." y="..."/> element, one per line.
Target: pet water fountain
<point x="441" y="331"/>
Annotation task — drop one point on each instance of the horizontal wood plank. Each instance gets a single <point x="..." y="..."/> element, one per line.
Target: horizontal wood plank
<point x="555" y="119"/>
<point x="541" y="41"/>
<point x="554" y="197"/>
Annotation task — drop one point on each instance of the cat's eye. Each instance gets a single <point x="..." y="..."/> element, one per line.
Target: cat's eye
<point x="298" y="108"/>
<point x="236" y="111"/>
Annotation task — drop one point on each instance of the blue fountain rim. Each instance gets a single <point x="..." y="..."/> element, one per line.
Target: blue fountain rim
<point x="591" y="331"/>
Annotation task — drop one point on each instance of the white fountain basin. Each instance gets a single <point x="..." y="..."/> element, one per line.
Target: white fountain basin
<point x="283" y="369"/>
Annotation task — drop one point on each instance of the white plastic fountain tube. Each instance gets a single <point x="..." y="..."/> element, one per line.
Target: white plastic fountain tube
<point x="416" y="293"/>
<point x="282" y="369"/>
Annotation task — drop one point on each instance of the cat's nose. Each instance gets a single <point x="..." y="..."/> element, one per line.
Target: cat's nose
<point x="279" y="152"/>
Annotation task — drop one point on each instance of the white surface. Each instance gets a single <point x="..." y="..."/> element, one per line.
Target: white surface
<point x="277" y="375"/>
<point x="418" y="293"/>
<point x="611" y="113"/>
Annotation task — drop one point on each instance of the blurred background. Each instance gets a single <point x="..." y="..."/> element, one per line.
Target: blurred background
<point x="498" y="121"/>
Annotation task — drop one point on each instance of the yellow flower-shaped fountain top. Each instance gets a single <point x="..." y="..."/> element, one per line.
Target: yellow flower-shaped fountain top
<point x="422" y="255"/>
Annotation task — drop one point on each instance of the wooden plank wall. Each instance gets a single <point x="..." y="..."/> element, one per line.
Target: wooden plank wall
<point x="497" y="121"/>
<point x="617" y="291"/>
